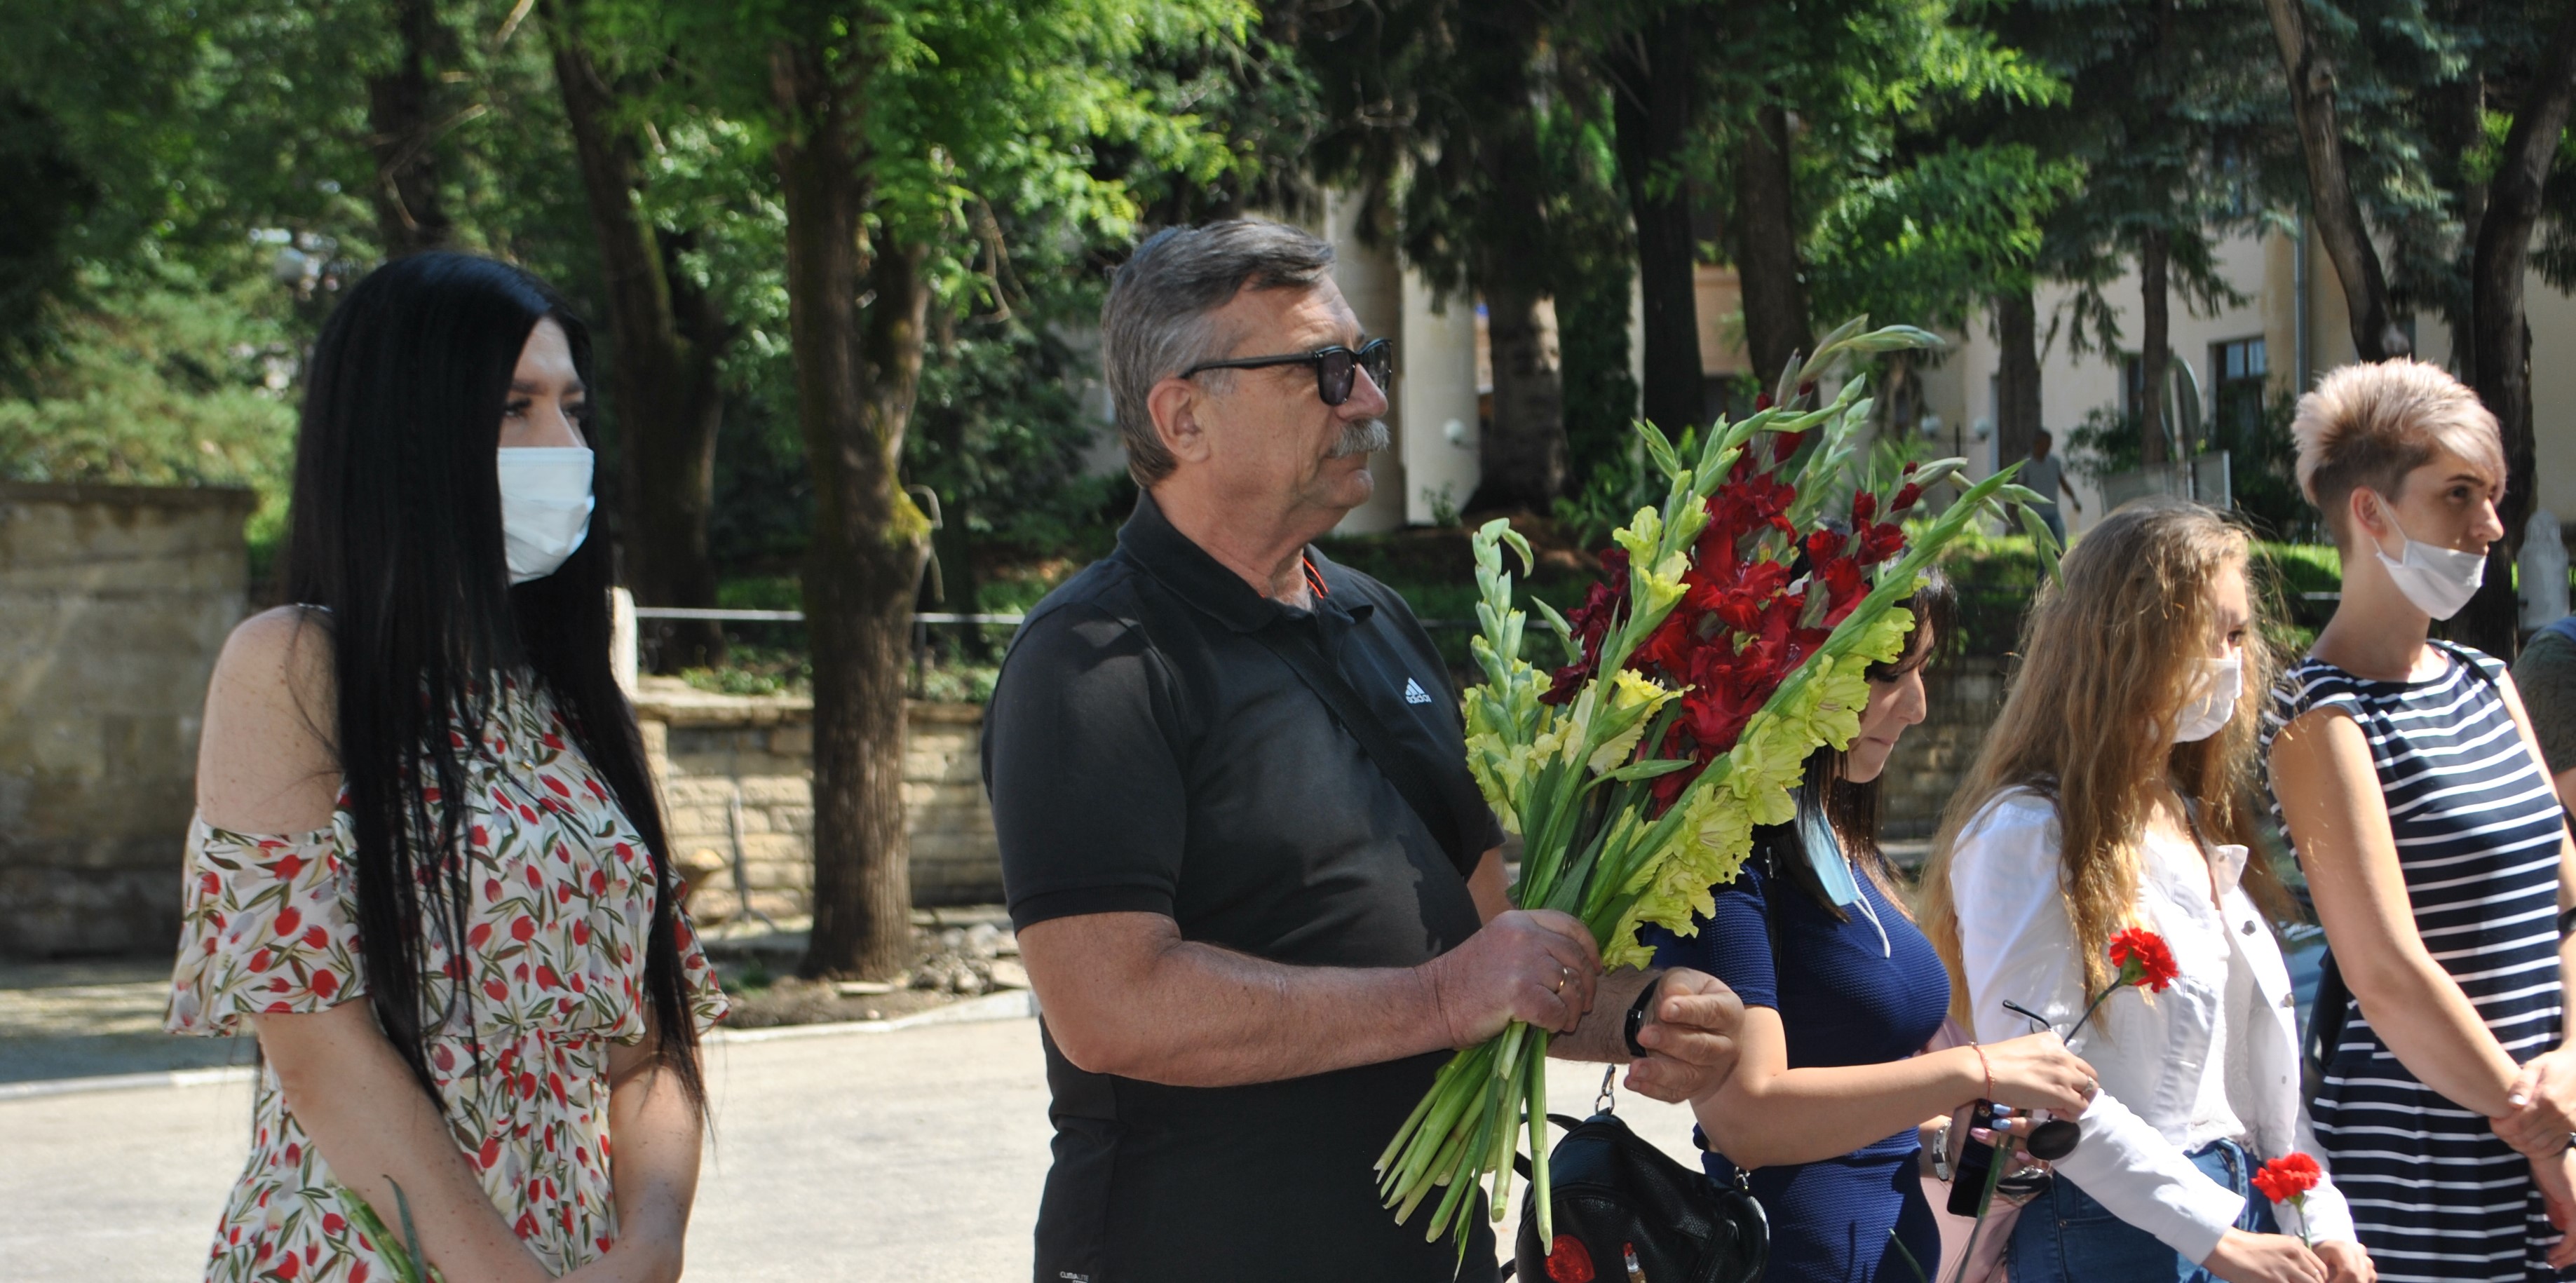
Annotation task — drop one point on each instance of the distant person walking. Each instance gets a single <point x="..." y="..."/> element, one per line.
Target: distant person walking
<point x="2045" y="473"/>
<point x="1254" y="950"/>
<point x="2403" y="770"/>
<point x="427" y="868"/>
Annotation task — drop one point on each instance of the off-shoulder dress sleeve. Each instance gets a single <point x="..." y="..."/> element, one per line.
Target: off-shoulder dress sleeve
<point x="707" y="1001"/>
<point x="270" y="927"/>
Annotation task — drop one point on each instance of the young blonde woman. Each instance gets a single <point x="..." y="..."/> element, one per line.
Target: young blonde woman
<point x="2435" y="848"/>
<point x="2116" y="791"/>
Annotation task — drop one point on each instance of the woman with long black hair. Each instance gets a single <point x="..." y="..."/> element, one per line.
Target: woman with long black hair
<point x="428" y="870"/>
<point x="1824" y="1116"/>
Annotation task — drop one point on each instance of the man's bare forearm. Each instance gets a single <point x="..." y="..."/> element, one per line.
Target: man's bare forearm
<point x="1602" y="1037"/>
<point x="1194" y="1015"/>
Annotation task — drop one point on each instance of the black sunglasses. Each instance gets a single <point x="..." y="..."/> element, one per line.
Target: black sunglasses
<point x="1334" y="367"/>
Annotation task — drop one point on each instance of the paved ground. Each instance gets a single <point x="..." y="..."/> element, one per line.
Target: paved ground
<point x="911" y="1155"/>
<point x="82" y="1019"/>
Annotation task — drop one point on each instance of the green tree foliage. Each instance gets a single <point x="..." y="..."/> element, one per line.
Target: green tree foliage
<point x="901" y="133"/>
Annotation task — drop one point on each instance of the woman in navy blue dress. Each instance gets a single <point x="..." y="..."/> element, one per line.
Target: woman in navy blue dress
<point x="1825" y="1111"/>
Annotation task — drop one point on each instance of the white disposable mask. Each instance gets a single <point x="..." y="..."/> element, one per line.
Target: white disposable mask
<point x="546" y="502"/>
<point x="2222" y="684"/>
<point x="2437" y="580"/>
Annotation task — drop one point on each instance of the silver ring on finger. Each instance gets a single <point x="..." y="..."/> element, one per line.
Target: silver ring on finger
<point x="1564" y="976"/>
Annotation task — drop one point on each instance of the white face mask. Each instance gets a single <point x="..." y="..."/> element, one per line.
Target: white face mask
<point x="545" y="507"/>
<point x="2437" y="580"/>
<point x="2222" y="684"/>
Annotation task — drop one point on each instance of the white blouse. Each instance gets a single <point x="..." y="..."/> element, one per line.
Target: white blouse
<point x="2164" y="1092"/>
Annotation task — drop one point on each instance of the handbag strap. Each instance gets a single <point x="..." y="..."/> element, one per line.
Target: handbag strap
<point x="1400" y="768"/>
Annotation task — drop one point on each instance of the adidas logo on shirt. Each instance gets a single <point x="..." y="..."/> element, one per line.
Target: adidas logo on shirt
<point x="1414" y="694"/>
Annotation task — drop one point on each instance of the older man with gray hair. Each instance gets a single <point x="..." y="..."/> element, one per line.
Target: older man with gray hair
<point x="1256" y="889"/>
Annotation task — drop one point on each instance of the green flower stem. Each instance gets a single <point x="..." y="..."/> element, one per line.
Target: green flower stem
<point x="1899" y="1244"/>
<point x="1985" y="1201"/>
<point x="1536" y="1098"/>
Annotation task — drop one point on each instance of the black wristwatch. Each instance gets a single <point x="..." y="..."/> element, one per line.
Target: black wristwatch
<point x="1637" y="1014"/>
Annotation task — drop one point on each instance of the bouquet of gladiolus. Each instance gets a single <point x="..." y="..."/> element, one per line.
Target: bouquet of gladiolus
<point x="1728" y="643"/>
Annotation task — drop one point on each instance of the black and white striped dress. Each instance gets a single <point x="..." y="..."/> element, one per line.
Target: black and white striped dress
<point x="2434" y="1193"/>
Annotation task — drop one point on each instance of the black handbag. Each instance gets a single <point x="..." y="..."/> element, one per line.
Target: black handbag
<point x="1624" y="1211"/>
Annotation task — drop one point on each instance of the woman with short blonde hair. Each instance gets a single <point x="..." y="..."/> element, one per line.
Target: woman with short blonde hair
<point x="2403" y="773"/>
<point x="2116" y="791"/>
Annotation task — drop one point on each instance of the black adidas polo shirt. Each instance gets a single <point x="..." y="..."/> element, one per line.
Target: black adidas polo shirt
<point x="1145" y="753"/>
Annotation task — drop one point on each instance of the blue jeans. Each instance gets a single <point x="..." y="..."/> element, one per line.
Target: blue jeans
<point x="2064" y="1235"/>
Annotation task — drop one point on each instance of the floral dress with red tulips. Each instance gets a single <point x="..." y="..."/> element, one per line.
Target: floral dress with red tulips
<point x="562" y="894"/>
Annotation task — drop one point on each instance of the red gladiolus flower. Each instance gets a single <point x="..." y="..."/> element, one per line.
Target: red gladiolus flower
<point x="2143" y="958"/>
<point x="1906" y="495"/>
<point x="1864" y="508"/>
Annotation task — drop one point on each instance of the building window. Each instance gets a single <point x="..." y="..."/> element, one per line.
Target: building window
<point x="2243" y="373"/>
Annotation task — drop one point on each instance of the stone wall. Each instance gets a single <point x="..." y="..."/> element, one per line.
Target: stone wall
<point x="737" y="781"/>
<point x="114" y="602"/>
<point x="1966" y="691"/>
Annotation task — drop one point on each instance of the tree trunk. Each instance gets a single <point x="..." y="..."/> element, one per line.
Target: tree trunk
<point x="403" y="129"/>
<point x="2155" y="342"/>
<point x="663" y="394"/>
<point x="1522" y="457"/>
<point x="1766" y="255"/>
<point x="2499" y="334"/>
<point x="2017" y="376"/>
<point x="1653" y="116"/>
<point x="855" y="382"/>
<point x="2376" y="336"/>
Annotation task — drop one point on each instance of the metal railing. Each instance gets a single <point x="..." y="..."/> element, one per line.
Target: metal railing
<point x="798" y="616"/>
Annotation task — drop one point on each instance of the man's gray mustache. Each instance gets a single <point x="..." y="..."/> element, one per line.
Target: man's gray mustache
<point x="1361" y="438"/>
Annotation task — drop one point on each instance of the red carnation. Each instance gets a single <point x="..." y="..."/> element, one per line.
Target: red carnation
<point x="2288" y="1177"/>
<point x="2143" y="958"/>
